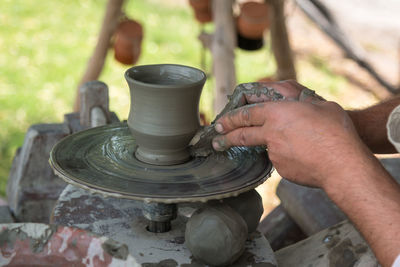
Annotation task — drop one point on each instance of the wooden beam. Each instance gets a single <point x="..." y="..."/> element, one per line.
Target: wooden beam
<point x="280" y="41"/>
<point x="96" y="61"/>
<point x="222" y="48"/>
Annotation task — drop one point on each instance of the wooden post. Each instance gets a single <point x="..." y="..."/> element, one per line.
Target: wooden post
<point x="96" y="61"/>
<point x="280" y="41"/>
<point x="94" y="97"/>
<point x="222" y="49"/>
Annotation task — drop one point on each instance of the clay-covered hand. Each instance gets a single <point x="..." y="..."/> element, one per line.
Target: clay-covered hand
<point x="308" y="142"/>
<point x="250" y="93"/>
<point x="289" y="89"/>
<point x="256" y="92"/>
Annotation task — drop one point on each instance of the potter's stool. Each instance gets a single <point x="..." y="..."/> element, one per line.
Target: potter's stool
<point x="122" y="220"/>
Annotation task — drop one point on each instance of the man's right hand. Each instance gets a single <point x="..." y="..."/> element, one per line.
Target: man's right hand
<point x="308" y="143"/>
<point x="315" y="143"/>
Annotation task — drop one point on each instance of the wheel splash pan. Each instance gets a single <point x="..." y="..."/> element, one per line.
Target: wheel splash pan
<point x="102" y="160"/>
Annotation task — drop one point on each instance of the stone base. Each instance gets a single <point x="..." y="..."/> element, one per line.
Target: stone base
<point x="33" y="188"/>
<point x="122" y="220"/>
<point x="5" y="215"/>
<point x="339" y="245"/>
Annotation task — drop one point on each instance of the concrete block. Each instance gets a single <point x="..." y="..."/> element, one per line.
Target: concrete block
<point x="93" y="94"/>
<point x="310" y="208"/>
<point x="72" y="121"/>
<point x="280" y="229"/>
<point x="5" y="215"/>
<point x="339" y="245"/>
<point x="32" y="187"/>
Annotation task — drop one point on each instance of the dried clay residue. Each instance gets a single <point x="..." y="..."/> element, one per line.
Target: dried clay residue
<point x="345" y="254"/>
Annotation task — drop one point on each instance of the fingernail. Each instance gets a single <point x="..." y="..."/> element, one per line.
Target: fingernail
<point x="215" y="145"/>
<point x="219" y="128"/>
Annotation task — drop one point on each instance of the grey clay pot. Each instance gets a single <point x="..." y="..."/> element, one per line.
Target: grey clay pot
<point x="164" y="114"/>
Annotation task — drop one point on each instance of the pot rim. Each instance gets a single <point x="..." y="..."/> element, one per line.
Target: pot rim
<point x="175" y="86"/>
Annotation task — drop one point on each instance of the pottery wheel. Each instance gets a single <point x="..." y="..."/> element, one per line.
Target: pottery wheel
<point x="102" y="159"/>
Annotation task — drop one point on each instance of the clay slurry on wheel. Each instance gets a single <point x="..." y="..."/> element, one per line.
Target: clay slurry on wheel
<point x="102" y="159"/>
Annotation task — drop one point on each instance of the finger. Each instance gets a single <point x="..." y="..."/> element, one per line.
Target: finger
<point x="248" y="115"/>
<point x="245" y="136"/>
<point x="310" y="96"/>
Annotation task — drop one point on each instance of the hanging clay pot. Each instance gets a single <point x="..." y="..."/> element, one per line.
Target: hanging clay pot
<point x="253" y="20"/>
<point x="202" y="10"/>
<point x="127" y="42"/>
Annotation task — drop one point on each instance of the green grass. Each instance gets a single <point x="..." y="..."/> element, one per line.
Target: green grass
<point x="45" y="46"/>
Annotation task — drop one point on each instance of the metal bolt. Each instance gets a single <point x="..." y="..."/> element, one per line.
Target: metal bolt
<point x="160" y="216"/>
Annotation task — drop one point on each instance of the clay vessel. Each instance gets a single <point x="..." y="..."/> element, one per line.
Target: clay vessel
<point x="127" y="42"/>
<point x="253" y="20"/>
<point x="164" y="112"/>
<point x="202" y="10"/>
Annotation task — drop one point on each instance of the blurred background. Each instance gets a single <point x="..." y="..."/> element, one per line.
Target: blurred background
<point x="45" y="46"/>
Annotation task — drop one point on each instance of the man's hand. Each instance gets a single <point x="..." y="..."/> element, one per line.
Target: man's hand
<point x="308" y="143"/>
<point x="250" y="93"/>
<point x="315" y="143"/>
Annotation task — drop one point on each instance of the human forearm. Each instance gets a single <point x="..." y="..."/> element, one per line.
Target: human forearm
<point x="315" y="143"/>
<point x="371" y="125"/>
<point x="371" y="199"/>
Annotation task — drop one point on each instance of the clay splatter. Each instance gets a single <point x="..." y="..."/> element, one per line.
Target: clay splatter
<point x="345" y="254"/>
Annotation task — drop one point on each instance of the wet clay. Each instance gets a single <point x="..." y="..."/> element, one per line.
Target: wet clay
<point x="102" y="159"/>
<point x="249" y="206"/>
<point x="164" y="114"/>
<point x="216" y="235"/>
<point x="345" y="254"/>
<point x="201" y="144"/>
<point x="115" y="249"/>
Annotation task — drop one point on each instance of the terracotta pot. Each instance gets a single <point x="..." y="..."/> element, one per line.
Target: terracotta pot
<point x="203" y="16"/>
<point x="253" y="19"/>
<point x="164" y="113"/>
<point x="127" y="42"/>
<point x="202" y="10"/>
<point x="200" y="4"/>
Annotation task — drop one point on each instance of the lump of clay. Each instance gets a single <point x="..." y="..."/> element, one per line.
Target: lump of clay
<point x="216" y="235"/>
<point x="249" y="206"/>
